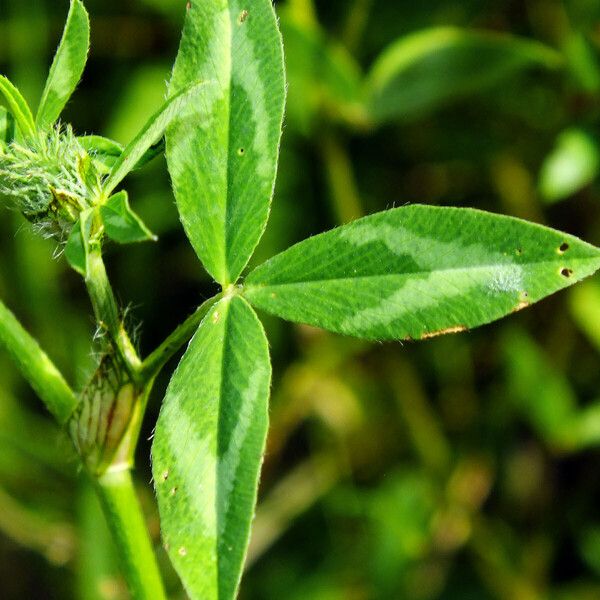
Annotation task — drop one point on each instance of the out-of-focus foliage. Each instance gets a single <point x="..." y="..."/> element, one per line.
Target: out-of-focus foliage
<point x="461" y="467"/>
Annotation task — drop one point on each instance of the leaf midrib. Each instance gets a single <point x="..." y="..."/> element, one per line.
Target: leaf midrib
<point x="414" y="273"/>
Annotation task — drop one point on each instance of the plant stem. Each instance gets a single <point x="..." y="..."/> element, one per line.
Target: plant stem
<point x="355" y="24"/>
<point x="105" y="308"/>
<point x="157" y="359"/>
<point x="36" y="367"/>
<point x="340" y="179"/>
<point x="126" y="522"/>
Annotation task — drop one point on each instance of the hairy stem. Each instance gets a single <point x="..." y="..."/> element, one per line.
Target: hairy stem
<point x="126" y="522"/>
<point x="182" y="334"/>
<point x="36" y="367"/>
<point x="106" y="309"/>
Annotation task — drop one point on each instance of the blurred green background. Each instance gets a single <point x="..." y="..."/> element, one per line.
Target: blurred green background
<point x="461" y="467"/>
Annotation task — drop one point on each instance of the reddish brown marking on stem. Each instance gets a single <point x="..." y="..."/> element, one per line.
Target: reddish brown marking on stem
<point x="433" y="334"/>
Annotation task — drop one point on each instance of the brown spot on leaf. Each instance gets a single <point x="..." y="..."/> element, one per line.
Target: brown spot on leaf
<point x="216" y="317"/>
<point x="520" y="306"/>
<point x="563" y="248"/>
<point x="433" y="334"/>
<point x="173" y="491"/>
<point x="182" y="551"/>
<point x="243" y="16"/>
<point x="165" y="475"/>
<point x="566" y="272"/>
<point x="188" y="6"/>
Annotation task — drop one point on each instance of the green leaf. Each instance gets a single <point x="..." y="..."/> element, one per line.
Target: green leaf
<point x="540" y="390"/>
<point x="7" y="128"/>
<point x="151" y="133"/>
<point x="121" y="224"/>
<point x="573" y="164"/>
<point x="67" y="66"/>
<point x="418" y="271"/>
<point x="584" y="306"/>
<point x="99" y="145"/>
<point x="222" y="152"/>
<point x="322" y="76"/>
<point x="106" y="151"/>
<point x="543" y="394"/>
<point x="77" y="247"/>
<point x="208" y="449"/>
<point x="427" y="69"/>
<point x="17" y="106"/>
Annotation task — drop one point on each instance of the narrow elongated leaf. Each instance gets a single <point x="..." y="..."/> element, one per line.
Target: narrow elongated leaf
<point x="208" y="449"/>
<point x="17" y="106"/>
<point x="67" y="66"/>
<point x="419" y="271"/>
<point x="7" y="128"/>
<point x="424" y="70"/>
<point x="222" y="152"/>
<point x="122" y="224"/>
<point x="151" y="133"/>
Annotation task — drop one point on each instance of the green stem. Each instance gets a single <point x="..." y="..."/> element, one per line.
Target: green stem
<point x="157" y="359"/>
<point x="105" y="308"/>
<point x="343" y="189"/>
<point x="126" y="522"/>
<point x="356" y="22"/>
<point x="36" y="367"/>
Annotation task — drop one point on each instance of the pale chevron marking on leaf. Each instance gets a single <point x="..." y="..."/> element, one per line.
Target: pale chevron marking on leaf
<point x="246" y="74"/>
<point x="208" y="448"/>
<point x="418" y="269"/>
<point x="229" y="462"/>
<point x="199" y="483"/>
<point x="415" y="293"/>
<point x="223" y="173"/>
<point x="402" y="241"/>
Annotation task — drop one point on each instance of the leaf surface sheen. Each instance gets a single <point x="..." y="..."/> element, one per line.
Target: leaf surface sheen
<point x="418" y="271"/>
<point x="222" y="152"/>
<point x="208" y="449"/>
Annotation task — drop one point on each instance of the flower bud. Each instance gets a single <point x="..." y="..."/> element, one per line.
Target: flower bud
<point x="98" y="426"/>
<point x="50" y="179"/>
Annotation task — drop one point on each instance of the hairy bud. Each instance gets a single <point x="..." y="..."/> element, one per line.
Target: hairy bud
<point x="50" y="179"/>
